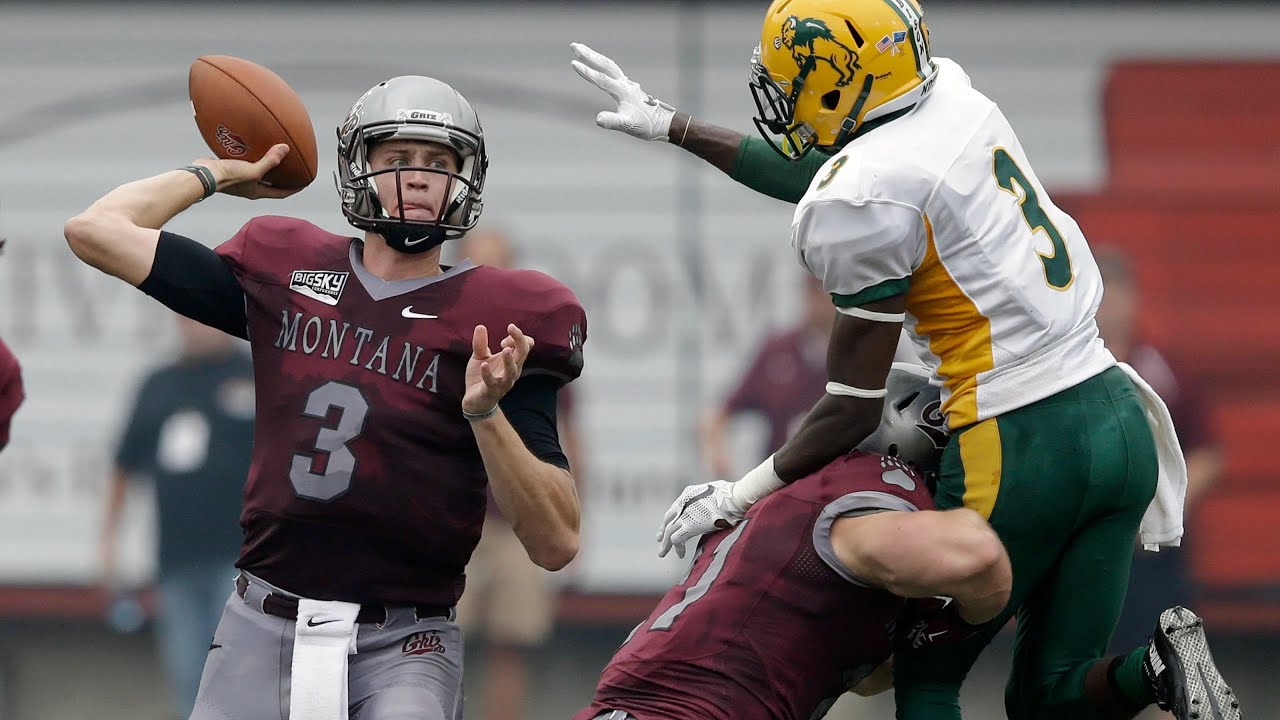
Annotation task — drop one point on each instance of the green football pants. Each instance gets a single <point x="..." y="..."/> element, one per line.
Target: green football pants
<point x="1064" y="482"/>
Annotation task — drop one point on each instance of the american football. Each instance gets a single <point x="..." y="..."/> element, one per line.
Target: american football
<point x="242" y="109"/>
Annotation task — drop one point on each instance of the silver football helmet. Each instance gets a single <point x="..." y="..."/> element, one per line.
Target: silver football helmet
<point x="415" y="108"/>
<point x="912" y="426"/>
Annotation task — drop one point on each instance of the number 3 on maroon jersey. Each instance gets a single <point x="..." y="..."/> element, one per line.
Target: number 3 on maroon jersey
<point x="336" y="478"/>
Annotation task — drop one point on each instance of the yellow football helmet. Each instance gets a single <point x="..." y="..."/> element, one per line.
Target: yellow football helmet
<point x="826" y="68"/>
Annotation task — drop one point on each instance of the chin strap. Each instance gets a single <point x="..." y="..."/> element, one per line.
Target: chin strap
<point x="399" y="238"/>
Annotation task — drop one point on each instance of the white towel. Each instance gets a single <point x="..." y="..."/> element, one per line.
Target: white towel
<point x="1162" y="523"/>
<point x="323" y="638"/>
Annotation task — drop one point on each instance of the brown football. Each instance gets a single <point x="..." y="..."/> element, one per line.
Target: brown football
<point x="242" y="109"/>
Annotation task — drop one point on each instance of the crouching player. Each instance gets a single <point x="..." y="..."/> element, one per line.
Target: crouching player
<point x="781" y="614"/>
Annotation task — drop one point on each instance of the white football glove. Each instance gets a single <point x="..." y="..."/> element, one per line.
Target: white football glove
<point x="699" y="510"/>
<point x="639" y="114"/>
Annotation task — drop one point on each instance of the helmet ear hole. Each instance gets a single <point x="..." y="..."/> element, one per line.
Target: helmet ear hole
<point x="857" y="36"/>
<point x="892" y="450"/>
<point x="831" y="100"/>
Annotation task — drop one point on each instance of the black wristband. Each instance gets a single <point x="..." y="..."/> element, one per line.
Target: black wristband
<point x="206" y="179"/>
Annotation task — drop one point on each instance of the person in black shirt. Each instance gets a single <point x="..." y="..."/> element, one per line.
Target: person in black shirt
<point x="191" y="433"/>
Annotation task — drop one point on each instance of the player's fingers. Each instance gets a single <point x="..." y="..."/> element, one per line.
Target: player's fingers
<point x="664" y="544"/>
<point x="273" y="158"/>
<point x="523" y="343"/>
<point x="602" y="62"/>
<point x="591" y="58"/>
<point x="480" y="342"/>
<point x="601" y="80"/>
<point x="510" y="370"/>
<point x="610" y="120"/>
<point x="672" y="513"/>
<point x="486" y="373"/>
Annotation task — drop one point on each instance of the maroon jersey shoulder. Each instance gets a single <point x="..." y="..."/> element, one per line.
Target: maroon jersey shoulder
<point x="764" y="626"/>
<point x="543" y="308"/>
<point x="11" y="392"/>
<point x="271" y="247"/>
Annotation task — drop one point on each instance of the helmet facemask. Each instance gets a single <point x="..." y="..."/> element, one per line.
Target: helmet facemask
<point x="776" y="110"/>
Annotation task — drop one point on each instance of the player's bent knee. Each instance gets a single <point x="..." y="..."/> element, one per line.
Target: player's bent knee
<point x="403" y="702"/>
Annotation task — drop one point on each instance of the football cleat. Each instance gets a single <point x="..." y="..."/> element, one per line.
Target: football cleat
<point x="1181" y="670"/>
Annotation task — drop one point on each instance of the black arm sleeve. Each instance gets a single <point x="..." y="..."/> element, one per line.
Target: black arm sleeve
<point x="530" y="407"/>
<point x="192" y="280"/>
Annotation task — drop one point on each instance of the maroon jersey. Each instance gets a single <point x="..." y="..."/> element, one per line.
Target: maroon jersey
<point x="767" y="624"/>
<point x="11" y="394"/>
<point x="366" y="483"/>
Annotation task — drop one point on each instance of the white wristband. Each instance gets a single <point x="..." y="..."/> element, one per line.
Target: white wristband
<point x="757" y="484"/>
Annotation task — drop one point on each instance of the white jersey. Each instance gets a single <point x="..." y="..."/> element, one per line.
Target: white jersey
<point x="942" y="204"/>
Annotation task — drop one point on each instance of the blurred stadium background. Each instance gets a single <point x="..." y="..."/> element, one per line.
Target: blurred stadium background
<point x="1157" y="124"/>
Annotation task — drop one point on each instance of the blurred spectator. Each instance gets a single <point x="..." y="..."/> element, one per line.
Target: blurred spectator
<point x="190" y="432"/>
<point x="11" y="394"/>
<point x="508" y="600"/>
<point x="787" y="376"/>
<point x="1157" y="580"/>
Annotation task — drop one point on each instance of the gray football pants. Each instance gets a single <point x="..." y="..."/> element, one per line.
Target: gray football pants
<point x="403" y="669"/>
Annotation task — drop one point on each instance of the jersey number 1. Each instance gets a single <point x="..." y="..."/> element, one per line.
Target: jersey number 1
<point x="1057" y="267"/>
<point x="698" y="589"/>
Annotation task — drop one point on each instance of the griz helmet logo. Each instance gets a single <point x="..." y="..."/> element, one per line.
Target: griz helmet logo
<point x="934" y="424"/>
<point x="231" y="142"/>
<point x="810" y="40"/>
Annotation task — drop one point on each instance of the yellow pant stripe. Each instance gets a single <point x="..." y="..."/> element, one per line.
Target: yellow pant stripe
<point x="980" y="455"/>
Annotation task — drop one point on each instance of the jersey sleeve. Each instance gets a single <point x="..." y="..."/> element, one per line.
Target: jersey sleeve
<point x="883" y="484"/>
<point x="852" y="505"/>
<point x="192" y="280"/>
<point x="558" y="334"/>
<point x="862" y="245"/>
<point x="11" y="391"/>
<point x="759" y="167"/>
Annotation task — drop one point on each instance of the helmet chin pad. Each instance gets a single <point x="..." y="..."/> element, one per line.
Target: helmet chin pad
<point x="410" y="239"/>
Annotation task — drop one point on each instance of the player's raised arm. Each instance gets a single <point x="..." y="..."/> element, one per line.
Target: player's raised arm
<point x="118" y="234"/>
<point x="748" y="160"/>
<point x="537" y="497"/>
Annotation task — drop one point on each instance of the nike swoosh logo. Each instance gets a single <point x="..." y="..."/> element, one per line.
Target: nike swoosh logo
<point x="214" y="646"/>
<point x="409" y="313"/>
<point x="931" y="636"/>
<point x="312" y="622"/>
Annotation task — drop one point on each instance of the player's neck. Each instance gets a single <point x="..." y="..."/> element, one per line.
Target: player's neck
<point x="387" y="264"/>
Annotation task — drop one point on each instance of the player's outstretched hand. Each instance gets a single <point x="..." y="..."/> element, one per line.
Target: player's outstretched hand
<point x="244" y="179"/>
<point x="639" y="114"/>
<point x="700" y="509"/>
<point x="490" y="375"/>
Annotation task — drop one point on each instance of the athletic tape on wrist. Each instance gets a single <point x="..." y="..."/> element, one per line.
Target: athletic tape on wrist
<point x="757" y="484"/>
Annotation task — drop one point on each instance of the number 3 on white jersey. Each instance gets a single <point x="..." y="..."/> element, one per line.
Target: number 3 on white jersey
<point x="1057" y="267"/>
